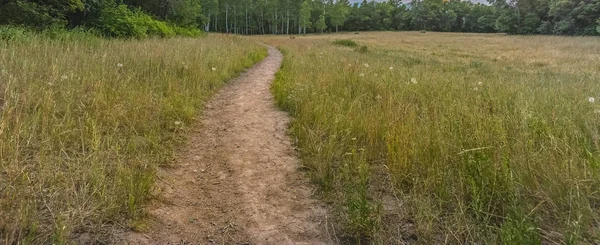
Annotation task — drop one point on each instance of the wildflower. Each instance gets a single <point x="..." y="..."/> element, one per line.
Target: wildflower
<point x="366" y="65"/>
<point x="119" y="65"/>
<point x="413" y="80"/>
<point x="362" y="74"/>
<point x="177" y="123"/>
<point x="378" y="97"/>
<point x="391" y="67"/>
<point x="64" y="77"/>
<point x="475" y="88"/>
<point x="591" y="99"/>
<point x="479" y="83"/>
<point x="213" y="69"/>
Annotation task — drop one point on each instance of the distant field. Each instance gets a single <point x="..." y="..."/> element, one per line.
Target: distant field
<point x="449" y="138"/>
<point x="85" y="122"/>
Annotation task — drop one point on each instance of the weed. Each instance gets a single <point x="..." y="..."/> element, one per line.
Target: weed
<point x="345" y="42"/>
<point x="362" y="49"/>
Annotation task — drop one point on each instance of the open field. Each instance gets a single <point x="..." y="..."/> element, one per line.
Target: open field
<point x="85" y="123"/>
<point x="449" y="138"/>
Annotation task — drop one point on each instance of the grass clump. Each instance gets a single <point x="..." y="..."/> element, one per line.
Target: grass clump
<point x="345" y="42"/>
<point x="430" y="141"/>
<point x="86" y="123"/>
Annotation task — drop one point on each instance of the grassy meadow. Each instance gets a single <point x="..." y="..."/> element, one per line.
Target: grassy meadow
<point x="434" y="138"/>
<point x="85" y="123"/>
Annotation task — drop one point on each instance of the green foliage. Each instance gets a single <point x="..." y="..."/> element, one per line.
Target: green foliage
<point x="9" y="33"/>
<point x="560" y="17"/>
<point x="305" y="15"/>
<point x="108" y="17"/>
<point x="363" y="49"/>
<point x="345" y="42"/>
<point x="321" y="25"/>
<point x="38" y="14"/>
<point x="117" y="20"/>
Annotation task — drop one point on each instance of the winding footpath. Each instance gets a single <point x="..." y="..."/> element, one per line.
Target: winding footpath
<point x="237" y="179"/>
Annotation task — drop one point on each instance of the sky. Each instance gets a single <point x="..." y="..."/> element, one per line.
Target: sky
<point x="475" y="1"/>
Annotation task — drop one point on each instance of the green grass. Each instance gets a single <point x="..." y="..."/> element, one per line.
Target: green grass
<point x="450" y="138"/>
<point x="86" y="122"/>
<point x="345" y="42"/>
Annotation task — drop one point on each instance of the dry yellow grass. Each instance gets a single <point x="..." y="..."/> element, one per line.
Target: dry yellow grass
<point x="450" y="138"/>
<point x="86" y="122"/>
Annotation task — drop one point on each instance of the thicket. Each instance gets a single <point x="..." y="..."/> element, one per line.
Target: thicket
<point x="109" y="18"/>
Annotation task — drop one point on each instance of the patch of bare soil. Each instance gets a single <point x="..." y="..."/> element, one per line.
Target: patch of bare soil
<point x="237" y="180"/>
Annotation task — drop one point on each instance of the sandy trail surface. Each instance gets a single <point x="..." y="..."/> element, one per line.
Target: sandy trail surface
<point x="237" y="179"/>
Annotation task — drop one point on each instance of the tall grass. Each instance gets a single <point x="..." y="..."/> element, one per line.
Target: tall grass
<point x="425" y="139"/>
<point x="85" y="123"/>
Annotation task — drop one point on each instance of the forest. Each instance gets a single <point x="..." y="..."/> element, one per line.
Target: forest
<point x="142" y="18"/>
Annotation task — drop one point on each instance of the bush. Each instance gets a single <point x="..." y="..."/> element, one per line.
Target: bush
<point x="12" y="33"/>
<point x="345" y="42"/>
<point x="363" y="49"/>
<point x="117" y="20"/>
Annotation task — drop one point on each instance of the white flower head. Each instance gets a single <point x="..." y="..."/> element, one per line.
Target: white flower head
<point x="213" y="69"/>
<point x="475" y="88"/>
<point x="391" y="67"/>
<point x="362" y="75"/>
<point x="479" y="83"/>
<point x="64" y="77"/>
<point x="366" y="65"/>
<point x="119" y="65"/>
<point x="177" y="123"/>
<point x="591" y="99"/>
<point x="413" y="80"/>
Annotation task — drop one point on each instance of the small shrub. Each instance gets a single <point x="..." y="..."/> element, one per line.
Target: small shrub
<point x="363" y="49"/>
<point x="345" y="42"/>
<point x="423" y="31"/>
<point x="10" y="33"/>
<point x="186" y="32"/>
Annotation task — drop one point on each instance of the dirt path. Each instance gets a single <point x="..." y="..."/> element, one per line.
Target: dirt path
<point x="237" y="181"/>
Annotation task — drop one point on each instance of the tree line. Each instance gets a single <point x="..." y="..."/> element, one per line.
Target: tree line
<point x="115" y="18"/>
<point x="251" y="17"/>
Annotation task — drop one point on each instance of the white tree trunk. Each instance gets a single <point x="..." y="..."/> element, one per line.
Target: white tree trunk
<point x="227" y="18"/>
